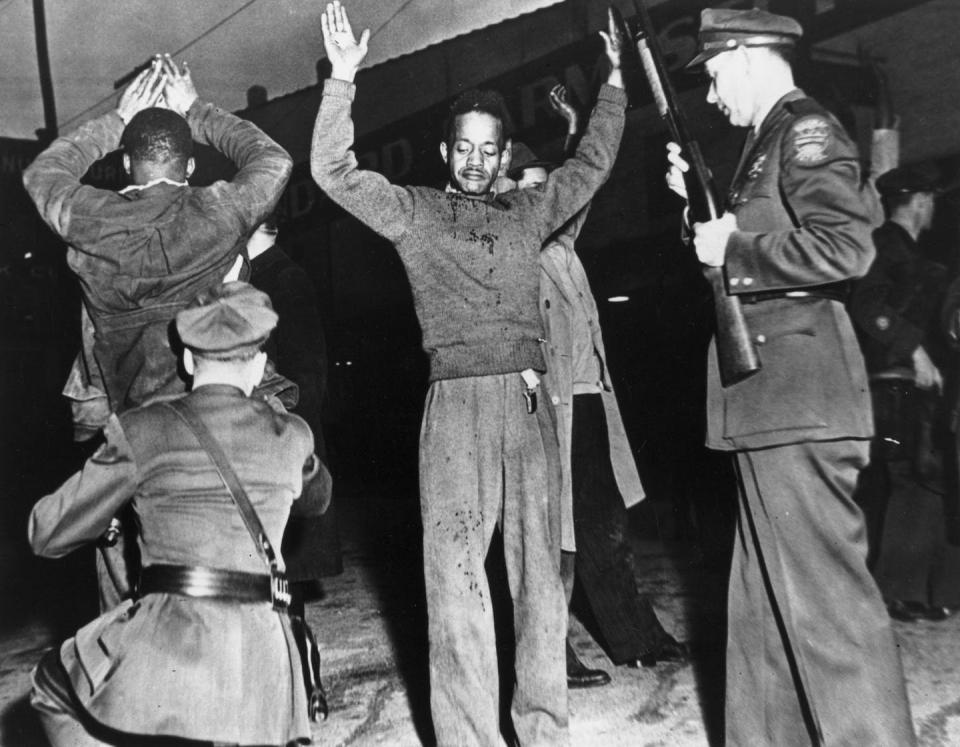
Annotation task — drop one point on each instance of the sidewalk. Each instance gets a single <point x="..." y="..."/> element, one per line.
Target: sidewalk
<point x="371" y="626"/>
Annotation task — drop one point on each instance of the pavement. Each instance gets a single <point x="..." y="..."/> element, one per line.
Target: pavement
<point x="371" y="626"/>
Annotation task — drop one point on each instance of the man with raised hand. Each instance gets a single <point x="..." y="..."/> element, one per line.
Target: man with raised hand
<point x="488" y="448"/>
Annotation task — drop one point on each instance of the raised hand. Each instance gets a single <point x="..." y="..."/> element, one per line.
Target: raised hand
<point x="560" y="101"/>
<point x="678" y="167"/>
<point x="613" y="40"/>
<point x="179" y="92"/>
<point x="144" y="92"/>
<point x="343" y="50"/>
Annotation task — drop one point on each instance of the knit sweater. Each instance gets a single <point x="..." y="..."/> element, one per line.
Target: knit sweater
<point x="472" y="262"/>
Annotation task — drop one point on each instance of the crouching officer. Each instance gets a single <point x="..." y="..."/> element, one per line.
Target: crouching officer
<point x="193" y="656"/>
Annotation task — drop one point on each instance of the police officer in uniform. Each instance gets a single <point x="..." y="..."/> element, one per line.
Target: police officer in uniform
<point x="810" y="653"/>
<point x="896" y="307"/>
<point x="204" y="652"/>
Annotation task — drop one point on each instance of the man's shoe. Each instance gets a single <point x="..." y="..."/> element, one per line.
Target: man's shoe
<point x="669" y="649"/>
<point x="937" y="614"/>
<point x="902" y="611"/>
<point x="579" y="675"/>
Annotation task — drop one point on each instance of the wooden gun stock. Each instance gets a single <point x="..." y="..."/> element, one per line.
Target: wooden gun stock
<point x="736" y="354"/>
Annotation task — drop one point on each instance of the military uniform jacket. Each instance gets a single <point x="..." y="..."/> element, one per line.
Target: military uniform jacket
<point x="558" y="260"/>
<point x="803" y="221"/>
<point x="166" y="664"/>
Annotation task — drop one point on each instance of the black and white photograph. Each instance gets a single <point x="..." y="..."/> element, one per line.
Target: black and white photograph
<point x="480" y="373"/>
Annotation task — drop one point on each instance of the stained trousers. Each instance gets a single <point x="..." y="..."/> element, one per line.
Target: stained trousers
<point x="484" y="462"/>
<point x="604" y="562"/>
<point x="811" y="657"/>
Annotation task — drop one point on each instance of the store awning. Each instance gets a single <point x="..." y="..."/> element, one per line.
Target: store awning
<point x="231" y="45"/>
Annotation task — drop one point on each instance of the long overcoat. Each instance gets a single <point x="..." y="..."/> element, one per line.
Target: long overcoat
<point x="558" y="263"/>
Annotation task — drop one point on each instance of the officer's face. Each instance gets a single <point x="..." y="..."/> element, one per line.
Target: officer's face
<point x="730" y="88"/>
<point x="475" y="154"/>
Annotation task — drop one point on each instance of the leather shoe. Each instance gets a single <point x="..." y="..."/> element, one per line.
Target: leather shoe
<point x="579" y="675"/>
<point x="902" y="611"/>
<point x="669" y="649"/>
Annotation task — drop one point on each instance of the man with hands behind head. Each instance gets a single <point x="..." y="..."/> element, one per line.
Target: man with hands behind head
<point x="141" y="254"/>
<point x="488" y="447"/>
<point x="810" y="653"/>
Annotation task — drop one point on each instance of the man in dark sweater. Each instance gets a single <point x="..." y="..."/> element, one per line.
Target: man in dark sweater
<point x="488" y="454"/>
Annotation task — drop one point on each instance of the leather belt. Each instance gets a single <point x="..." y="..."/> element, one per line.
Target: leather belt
<point x="204" y="583"/>
<point x="896" y="375"/>
<point x="838" y="292"/>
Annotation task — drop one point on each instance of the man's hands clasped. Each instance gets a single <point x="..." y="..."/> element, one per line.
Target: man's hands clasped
<point x="162" y="84"/>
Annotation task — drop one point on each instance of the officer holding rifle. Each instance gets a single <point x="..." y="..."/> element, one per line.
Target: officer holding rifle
<point x="810" y="653"/>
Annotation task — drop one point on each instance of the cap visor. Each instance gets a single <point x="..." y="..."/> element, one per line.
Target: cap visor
<point x="698" y="61"/>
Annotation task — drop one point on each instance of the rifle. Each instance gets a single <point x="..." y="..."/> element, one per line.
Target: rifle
<point x="736" y="354"/>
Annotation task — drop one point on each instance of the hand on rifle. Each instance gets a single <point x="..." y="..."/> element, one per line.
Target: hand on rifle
<point x="678" y="167"/>
<point x="145" y="91"/>
<point x="710" y="239"/>
<point x="343" y="49"/>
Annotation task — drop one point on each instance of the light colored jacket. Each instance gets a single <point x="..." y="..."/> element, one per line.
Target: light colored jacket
<point x="556" y="304"/>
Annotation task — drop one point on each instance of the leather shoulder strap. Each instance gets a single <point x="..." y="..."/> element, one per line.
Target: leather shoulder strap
<point x="230" y="480"/>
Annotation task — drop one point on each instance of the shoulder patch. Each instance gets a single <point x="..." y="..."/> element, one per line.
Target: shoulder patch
<point x="810" y="139"/>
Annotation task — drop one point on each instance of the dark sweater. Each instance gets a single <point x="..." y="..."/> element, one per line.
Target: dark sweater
<point x="472" y="263"/>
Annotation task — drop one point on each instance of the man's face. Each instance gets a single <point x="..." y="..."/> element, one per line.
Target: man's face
<point x="731" y="90"/>
<point x="475" y="154"/>
<point x="532" y="177"/>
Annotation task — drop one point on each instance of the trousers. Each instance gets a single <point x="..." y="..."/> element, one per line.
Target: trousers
<point x="915" y="563"/>
<point x="811" y="657"/>
<point x="485" y="461"/>
<point x="604" y="563"/>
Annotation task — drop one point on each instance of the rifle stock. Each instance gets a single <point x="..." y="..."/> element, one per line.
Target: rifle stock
<point x="737" y="356"/>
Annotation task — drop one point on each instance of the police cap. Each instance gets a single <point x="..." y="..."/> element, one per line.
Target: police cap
<point x="722" y="29"/>
<point x="227" y="319"/>
<point x="905" y="180"/>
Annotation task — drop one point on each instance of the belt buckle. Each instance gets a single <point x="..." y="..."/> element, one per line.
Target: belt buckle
<point x="279" y="591"/>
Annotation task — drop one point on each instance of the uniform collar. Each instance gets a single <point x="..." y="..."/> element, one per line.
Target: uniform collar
<point x="219" y="390"/>
<point x="791" y="95"/>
